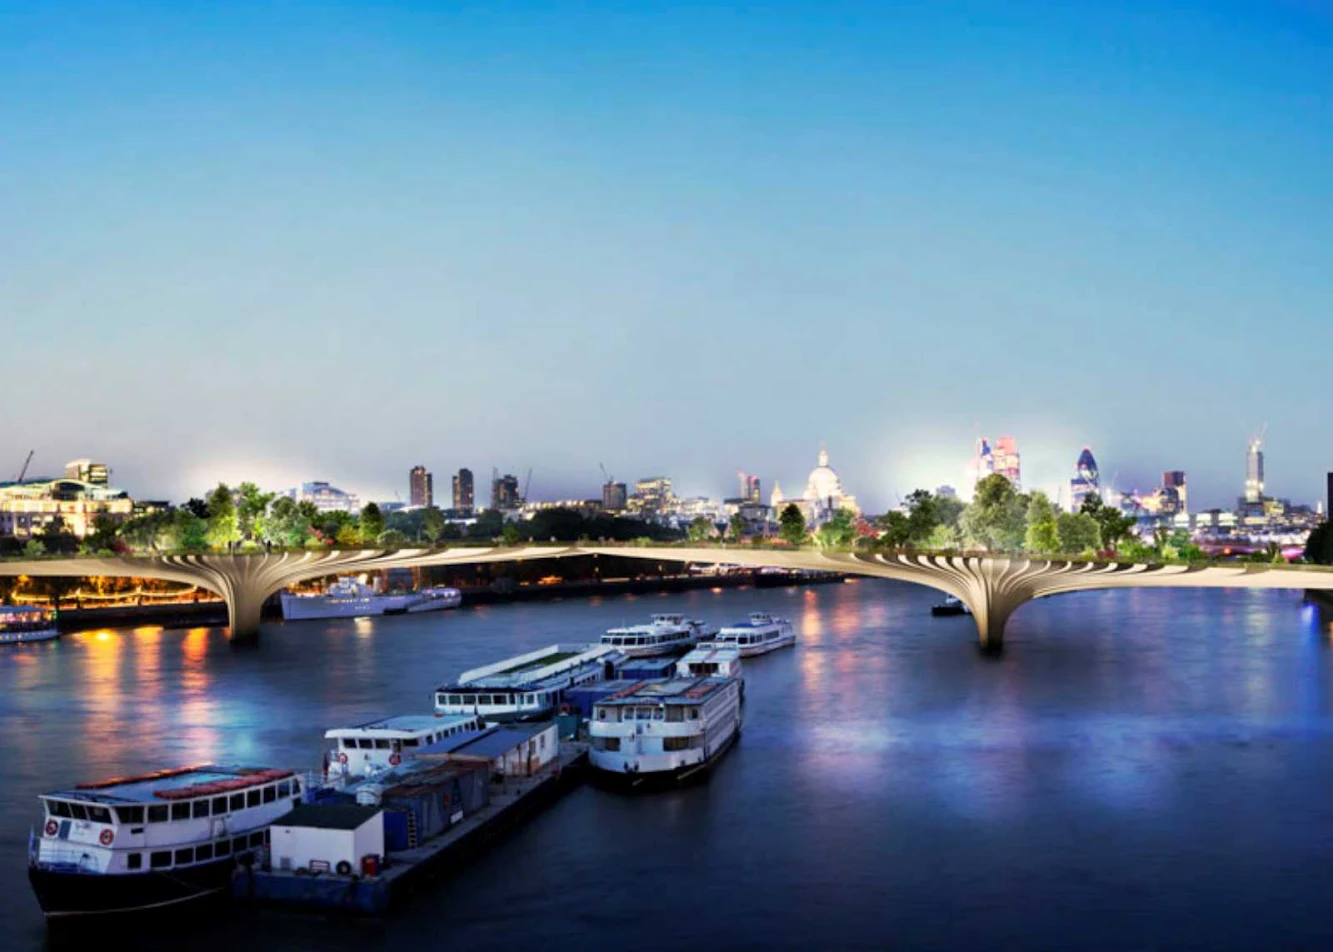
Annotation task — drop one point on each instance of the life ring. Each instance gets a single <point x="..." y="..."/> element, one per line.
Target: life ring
<point x="106" y="836"/>
<point x="395" y="759"/>
<point x="52" y="827"/>
<point x="342" y="758"/>
<point x="343" y="868"/>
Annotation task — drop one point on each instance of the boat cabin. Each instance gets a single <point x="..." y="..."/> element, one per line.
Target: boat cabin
<point x="529" y="686"/>
<point x="711" y="659"/>
<point x="381" y="744"/>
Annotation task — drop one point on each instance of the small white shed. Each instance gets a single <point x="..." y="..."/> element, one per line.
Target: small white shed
<point x="327" y="838"/>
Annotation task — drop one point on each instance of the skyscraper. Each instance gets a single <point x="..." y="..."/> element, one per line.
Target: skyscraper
<point x="421" y="487"/>
<point x="1175" y="479"/>
<point x="1087" y="480"/>
<point x="504" y="492"/>
<point x="464" y="500"/>
<point x="1254" y="471"/>
<point x="983" y="464"/>
<point x="749" y="487"/>
<point x="614" y="496"/>
<point x="1007" y="462"/>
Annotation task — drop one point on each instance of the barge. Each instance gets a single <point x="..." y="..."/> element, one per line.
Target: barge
<point x="528" y="686"/>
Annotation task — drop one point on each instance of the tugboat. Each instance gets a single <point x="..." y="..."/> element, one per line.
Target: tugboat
<point x="664" y="732"/>
<point x="21" y="625"/>
<point x="952" y="605"/>
<point x="152" y="841"/>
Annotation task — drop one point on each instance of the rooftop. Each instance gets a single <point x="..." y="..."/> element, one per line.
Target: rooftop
<point x="329" y="816"/>
<point x="142" y="788"/>
<point x="403" y="724"/>
<point x="676" y="690"/>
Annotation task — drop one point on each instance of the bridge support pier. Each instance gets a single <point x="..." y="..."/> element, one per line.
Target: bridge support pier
<point x="243" y="612"/>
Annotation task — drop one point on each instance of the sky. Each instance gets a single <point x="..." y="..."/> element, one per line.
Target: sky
<point x="286" y="242"/>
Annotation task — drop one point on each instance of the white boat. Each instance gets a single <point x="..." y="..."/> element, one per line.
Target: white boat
<point x="350" y="598"/>
<point x="527" y="686"/>
<point x="23" y="624"/>
<point x="710" y="659"/>
<point x="760" y="634"/>
<point x="664" y="731"/>
<point x="380" y="745"/>
<point x="664" y="634"/>
<point x="155" y="840"/>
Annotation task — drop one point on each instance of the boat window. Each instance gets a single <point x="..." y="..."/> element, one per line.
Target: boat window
<point x="222" y="848"/>
<point x="270" y="793"/>
<point x="285" y="788"/>
<point x="658" y="714"/>
<point x="237" y="801"/>
<point x="134" y="861"/>
<point x="157" y="814"/>
<point x="296" y="787"/>
<point x="99" y="814"/>
<point x="252" y="798"/>
<point x="257" y="839"/>
<point x="601" y="713"/>
<point x="185" y="855"/>
<point x="455" y="699"/>
<point x="675" y="743"/>
<point x="348" y="744"/>
<point x="692" y="714"/>
<point x="366" y="744"/>
<point x="58" y="808"/>
<point x="239" y="844"/>
<point x="219" y="806"/>
<point x="200" y="808"/>
<point x="160" y="860"/>
<point x="411" y="742"/>
<point x="675" y="713"/>
<point x="204" y="851"/>
<point x="180" y="811"/>
<point x="130" y="814"/>
<point x="381" y="744"/>
<point x="77" y="811"/>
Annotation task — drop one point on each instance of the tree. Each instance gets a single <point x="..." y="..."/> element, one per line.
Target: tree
<point x="287" y="523"/>
<point x="391" y="539"/>
<point x="1078" y="532"/>
<point x="1043" y="535"/>
<point x="433" y="524"/>
<point x="509" y="534"/>
<point x="34" y="548"/>
<point x="791" y="525"/>
<point x="1319" y="546"/>
<point x="894" y="529"/>
<point x="924" y="514"/>
<point x="147" y="532"/>
<point x="223" y="525"/>
<point x="488" y="525"/>
<point x="736" y="527"/>
<point x="250" y="511"/>
<point x="700" y="529"/>
<point x="996" y="518"/>
<point x="838" y="530"/>
<point x="187" y="532"/>
<point x="103" y="538"/>
<point x="1111" y="524"/>
<point x="348" y="536"/>
<point x="372" y="522"/>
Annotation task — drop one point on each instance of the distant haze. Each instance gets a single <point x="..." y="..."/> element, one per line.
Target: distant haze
<point x="332" y="243"/>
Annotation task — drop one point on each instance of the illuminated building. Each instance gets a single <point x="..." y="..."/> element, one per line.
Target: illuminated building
<point x="325" y="498"/>
<point x="652" y="495"/>
<point x="1086" y="481"/>
<point x="464" y="499"/>
<point x="1254" y="472"/>
<point x="421" y="488"/>
<point x="504" y="493"/>
<point x="1007" y="462"/>
<point x="1175" y="479"/>
<point x="86" y="471"/>
<point x="749" y="487"/>
<point x="614" y="496"/>
<point x="824" y="493"/>
<point x="27" y="508"/>
<point x="983" y="462"/>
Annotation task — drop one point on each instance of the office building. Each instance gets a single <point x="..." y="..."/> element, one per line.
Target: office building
<point x="1174" y="479"/>
<point x="1007" y="462"/>
<point x="1254" y="472"/>
<point x="86" y="471"/>
<point x="1086" y="481"/>
<point x="464" y="499"/>
<point x="421" y="488"/>
<point x="504" y="493"/>
<point x="29" y="508"/>
<point x="652" y="495"/>
<point x="325" y="498"/>
<point x="615" y="496"/>
<point x="750" y="491"/>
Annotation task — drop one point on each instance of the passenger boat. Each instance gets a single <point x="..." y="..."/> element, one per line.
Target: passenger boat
<point x="350" y="598"/>
<point x="154" y="840"/>
<point x="20" y="625"/>
<point x="527" y="686"/>
<point x="380" y="745"/>
<point x="663" y="634"/>
<point x="760" y="634"/>
<point x="952" y="605"/>
<point x="711" y="658"/>
<point x="664" y="731"/>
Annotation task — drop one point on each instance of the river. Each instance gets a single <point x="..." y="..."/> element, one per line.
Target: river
<point x="1139" y="770"/>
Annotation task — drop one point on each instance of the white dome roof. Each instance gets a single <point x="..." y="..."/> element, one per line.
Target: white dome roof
<point x="824" y="482"/>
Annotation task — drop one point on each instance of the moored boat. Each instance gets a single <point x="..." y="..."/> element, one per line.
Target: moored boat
<point x="527" y="686"/>
<point x="761" y="633"/>
<point x="22" y="624"/>
<point x="155" y="840"/>
<point x="664" y="634"/>
<point x="952" y="605"/>
<point x="379" y="745"/>
<point x="350" y="598"/>
<point x="664" y="731"/>
<point x="710" y="658"/>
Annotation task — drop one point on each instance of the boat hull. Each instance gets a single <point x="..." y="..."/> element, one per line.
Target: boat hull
<point x="29" y="637"/>
<point x="636" y="781"/>
<point x="942" y="611"/>
<point x="72" y="895"/>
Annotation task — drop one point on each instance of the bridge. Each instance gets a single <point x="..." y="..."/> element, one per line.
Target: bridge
<point x="992" y="587"/>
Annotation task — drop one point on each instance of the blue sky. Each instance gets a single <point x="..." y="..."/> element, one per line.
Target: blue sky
<point x="333" y="241"/>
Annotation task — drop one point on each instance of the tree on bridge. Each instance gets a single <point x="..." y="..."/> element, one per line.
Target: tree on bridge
<point x="223" y="523"/>
<point x="372" y="523"/>
<point x="1043" y="534"/>
<point x="1112" y="525"/>
<point x="791" y="525"/>
<point x="1078" y="533"/>
<point x="997" y="518"/>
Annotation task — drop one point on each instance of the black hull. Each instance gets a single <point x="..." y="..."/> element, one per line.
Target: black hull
<point x="662" y="779"/>
<point x="947" y="610"/>
<point x="71" y="895"/>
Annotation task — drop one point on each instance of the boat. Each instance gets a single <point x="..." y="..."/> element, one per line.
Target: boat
<point x="664" y="732"/>
<point x="527" y="686"/>
<point x="761" y="633"/>
<point x="20" y="625"/>
<point x="381" y="744"/>
<point x="952" y="605"/>
<point x="663" y="634"/>
<point x="711" y="658"/>
<point x="155" y="840"/>
<point x="348" y="597"/>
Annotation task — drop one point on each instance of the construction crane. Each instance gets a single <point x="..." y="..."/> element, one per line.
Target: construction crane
<point x="24" y="471"/>
<point x="527" y="483"/>
<point x="605" y="474"/>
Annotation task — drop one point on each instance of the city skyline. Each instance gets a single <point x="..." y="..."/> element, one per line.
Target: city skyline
<point x="790" y="230"/>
